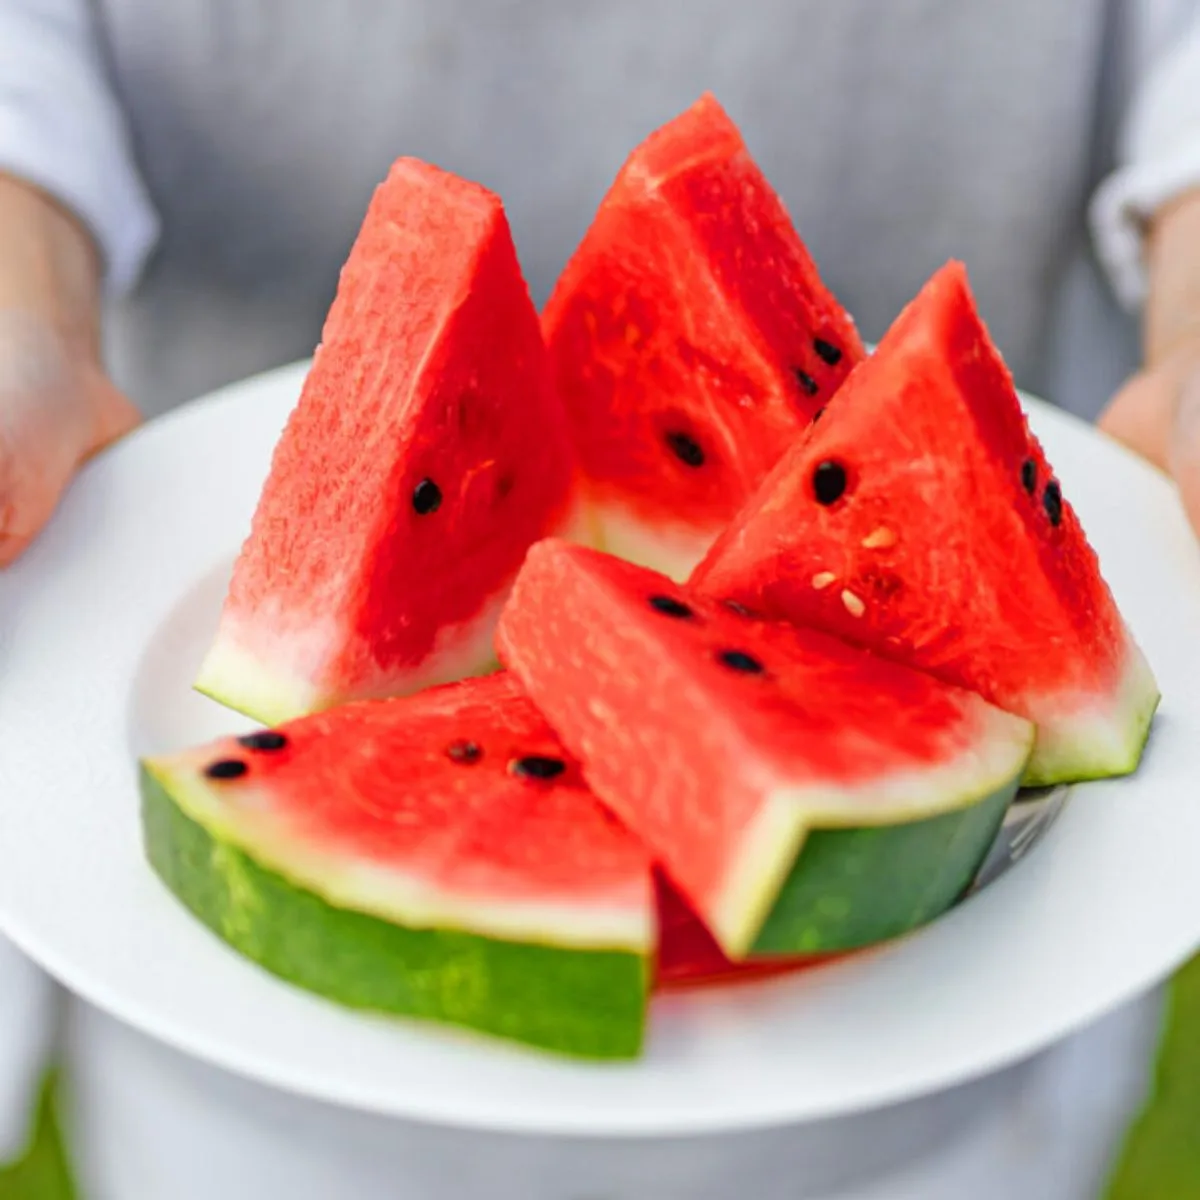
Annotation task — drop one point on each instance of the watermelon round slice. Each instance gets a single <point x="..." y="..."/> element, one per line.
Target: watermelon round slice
<point x="806" y="796"/>
<point x="427" y="452"/>
<point x="690" y="337"/>
<point x="437" y="856"/>
<point x="920" y="518"/>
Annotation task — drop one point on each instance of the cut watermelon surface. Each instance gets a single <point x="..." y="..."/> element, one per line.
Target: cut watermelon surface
<point x="689" y="956"/>
<point x="691" y="338"/>
<point x="920" y="518"/>
<point x="437" y="856"/>
<point x="427" y="452"/>
<point x="805" y="796"/>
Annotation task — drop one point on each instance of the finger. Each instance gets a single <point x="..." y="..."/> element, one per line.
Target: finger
<point x="113" y="413"/>
<point x="32" y="479"/>
<point x="12" y="546"/>
<point x="1184" y="455"/>
<point x="1142" y="415"/>
<point x="55" y="411"/>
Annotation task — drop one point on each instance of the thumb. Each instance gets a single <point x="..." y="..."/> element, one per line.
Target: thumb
<point x="1183" y="453"/>
<point x="1142" y="414"/>
<point x="56" y="409"/>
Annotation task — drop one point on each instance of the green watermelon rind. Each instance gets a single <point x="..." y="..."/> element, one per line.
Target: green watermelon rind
<point x="852" y="888"/>
<point x="1105" y="746"/>
<point x="937" y="824"/>
<point x="241" y="682"/>
<point x="583" y="1003"/>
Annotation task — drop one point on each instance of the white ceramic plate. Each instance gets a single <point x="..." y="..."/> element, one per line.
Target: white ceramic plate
<point x="102" y="628"/>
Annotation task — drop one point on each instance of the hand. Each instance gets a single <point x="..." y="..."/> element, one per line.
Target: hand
<point x="57" y="406"/>
<point x="56" y="409"/>
<point x="1157" y="412"/>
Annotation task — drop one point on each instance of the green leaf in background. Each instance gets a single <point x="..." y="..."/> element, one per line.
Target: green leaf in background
<point x="42" y="1174"/>
<point x="1161" y="1157"/>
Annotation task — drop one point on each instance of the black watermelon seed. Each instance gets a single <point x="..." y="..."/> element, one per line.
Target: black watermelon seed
<point x="426" y="497"/>
<point x="739" y="660"/>
<point x="829" y="482"/>
<point x="686" y="449"/>
<point x="818" y="415"/>
<point x="226" y="768"/>
<point x="827" y="351"/>
<point x="534" y="766"/>
<point x="1029" y="475"/>
<point x="464" y="752"/>
<point x="1052" y="502"/>
<point x="670" y="607"/>
<point x="808" y="385"/>
<point x="266" y="739"/>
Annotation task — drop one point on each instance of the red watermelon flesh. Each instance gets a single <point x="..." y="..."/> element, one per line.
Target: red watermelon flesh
<point x="689" y="956"/>
<point x="427" y="452"/>
<point x="920" y="518"/>
<point x="691" y="338"/>
<point x="804" y="795"/>
<point x="437" y="855"/>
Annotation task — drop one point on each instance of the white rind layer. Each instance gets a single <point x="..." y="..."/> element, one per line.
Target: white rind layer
<point x="623" y="920"/>
<point x="672" y="550"/>
<point x="771" y="844"/>
<point x="1089" y="737"/>
<point x="274" y="666"/>
<point x="234" y="677"/>
<point x="276" y="681"/>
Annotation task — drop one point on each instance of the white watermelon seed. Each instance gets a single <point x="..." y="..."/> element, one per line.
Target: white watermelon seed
<point x="854" y="606"/>
<point x="879" y="539"/>
<point x="823" y="579"/>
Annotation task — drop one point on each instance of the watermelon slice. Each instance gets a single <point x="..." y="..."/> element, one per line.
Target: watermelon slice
<point x="920" y="518"/>
<point x="426" y="454"/>
<point x="805" y="796"/>
<point x="691" y="338"/>
<point x="436" y="856"/>
<point x="689" y="957"/>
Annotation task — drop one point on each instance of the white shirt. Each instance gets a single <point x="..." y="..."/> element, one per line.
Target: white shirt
<point x="221" y="152"/>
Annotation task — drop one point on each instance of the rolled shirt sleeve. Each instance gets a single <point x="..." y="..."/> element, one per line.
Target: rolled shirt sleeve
<point x="62" y="129"/>
<point x="1158" y="153"/>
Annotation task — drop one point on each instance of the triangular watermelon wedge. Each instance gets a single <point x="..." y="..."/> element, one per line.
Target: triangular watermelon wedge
<point x="806" y="796"/>
<point x="919" y="517"/>
<point x="691" y="339"/>
<point x="436" y="856"/>
<point x="427" y="452"/>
